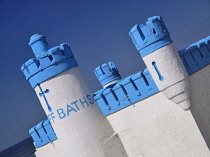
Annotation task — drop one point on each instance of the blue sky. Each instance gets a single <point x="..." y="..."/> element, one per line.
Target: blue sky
<point x="97" y="32"/>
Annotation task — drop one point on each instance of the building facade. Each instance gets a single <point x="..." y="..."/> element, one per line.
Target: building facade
<point x="162" y="110"/>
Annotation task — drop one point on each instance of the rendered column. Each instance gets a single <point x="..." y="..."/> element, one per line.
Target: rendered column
<point x="162" y="60"/>
<point x="78" y="123"/>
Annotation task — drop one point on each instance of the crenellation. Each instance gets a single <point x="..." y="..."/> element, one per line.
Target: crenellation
<point x="42" y="133"/>
<point x="150" y="37"/>
<point x="196" y="56"/>
<point x="107" y="73"/>
<point x="48" y="62"/>
<point x="126" y="92"/>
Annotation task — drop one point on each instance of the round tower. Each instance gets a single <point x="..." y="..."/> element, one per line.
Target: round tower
<point x="107" y="74"/>
<point x="162" y="60"/>
<point x="67" y="101"/>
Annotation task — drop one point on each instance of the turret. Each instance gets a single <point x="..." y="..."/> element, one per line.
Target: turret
<point x="119" y="94"/>
<point x="107" y="74"/>
<point x="162" y="60"/>
<point x="150" y="37"/>
<point x="48" y="62"/>
<point x="67" y="102"/>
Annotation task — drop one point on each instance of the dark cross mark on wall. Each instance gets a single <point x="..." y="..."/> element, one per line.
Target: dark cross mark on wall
<point x="43" y="94"/>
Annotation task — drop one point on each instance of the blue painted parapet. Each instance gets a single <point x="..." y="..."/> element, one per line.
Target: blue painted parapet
<point x="107" y="73"/>
<point x="150" y="37"/>
<point x="125" y="92"/>
<point x="42" y="133"/>
<point x="196" y="56"/>
<point x="48" y="62"/>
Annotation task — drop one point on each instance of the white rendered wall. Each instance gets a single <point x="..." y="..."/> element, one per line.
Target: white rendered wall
<point x="157" y="127"/>
<point x="175" y="83"/>
<point x="81" y="132"/>
<point x="200" y="96"/>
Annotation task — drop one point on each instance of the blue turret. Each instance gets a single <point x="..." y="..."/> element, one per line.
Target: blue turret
<point x="67" y="101"/>
<point x="162" y="60"/>
<point x="150" y="37"/>
<point x="107" y="73"/>
<point x="48" y="62"/>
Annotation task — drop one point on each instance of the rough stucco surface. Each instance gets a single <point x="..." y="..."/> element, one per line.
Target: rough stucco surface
<point x="153" y="127"/>
<point x="175" y="82"/>
<point x="80" y="133"/>
<point x="159" y="127"/>
<point x="200" y="97"/>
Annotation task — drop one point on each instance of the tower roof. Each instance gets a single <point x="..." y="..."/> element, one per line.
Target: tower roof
<point x="35" y="38"/>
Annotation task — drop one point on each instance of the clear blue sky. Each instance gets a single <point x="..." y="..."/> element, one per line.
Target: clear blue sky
<point x="97" y="32"/>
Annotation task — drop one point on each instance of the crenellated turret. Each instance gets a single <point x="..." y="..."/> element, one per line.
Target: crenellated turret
<point x="48" y="62"/>
<point x="107" y="74"/>
<point x="162" y="60"/>
<point x="68" y="103"/>
<point x="150" y="37"/>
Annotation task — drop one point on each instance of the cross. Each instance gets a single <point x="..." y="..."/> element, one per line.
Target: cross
<point x="43" y="94"/>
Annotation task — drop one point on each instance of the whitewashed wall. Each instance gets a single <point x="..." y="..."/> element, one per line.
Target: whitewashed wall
<point x="157" y="127"/>
<point x="153" y="127"/>
<point x="81" y="129"/>
<point x="200" y="96"/>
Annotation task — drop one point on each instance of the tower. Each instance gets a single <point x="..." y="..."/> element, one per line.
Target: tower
<point x="107" y="74"/>
<point x="162" y="60"/>
<point x="67" y="101"/>
<point x="142" y="108"/>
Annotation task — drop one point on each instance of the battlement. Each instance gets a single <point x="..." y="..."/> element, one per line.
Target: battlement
<point x="107" y="73"/>
<point x="48" y="63"/>
<point x="42" y="133"/>
<point x="196" y="56"/>
<point x="150" y="37"/>
<point x="125" y="92"/>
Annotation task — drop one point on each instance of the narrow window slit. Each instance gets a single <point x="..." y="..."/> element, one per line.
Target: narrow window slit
<point x="161" y="78"/>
